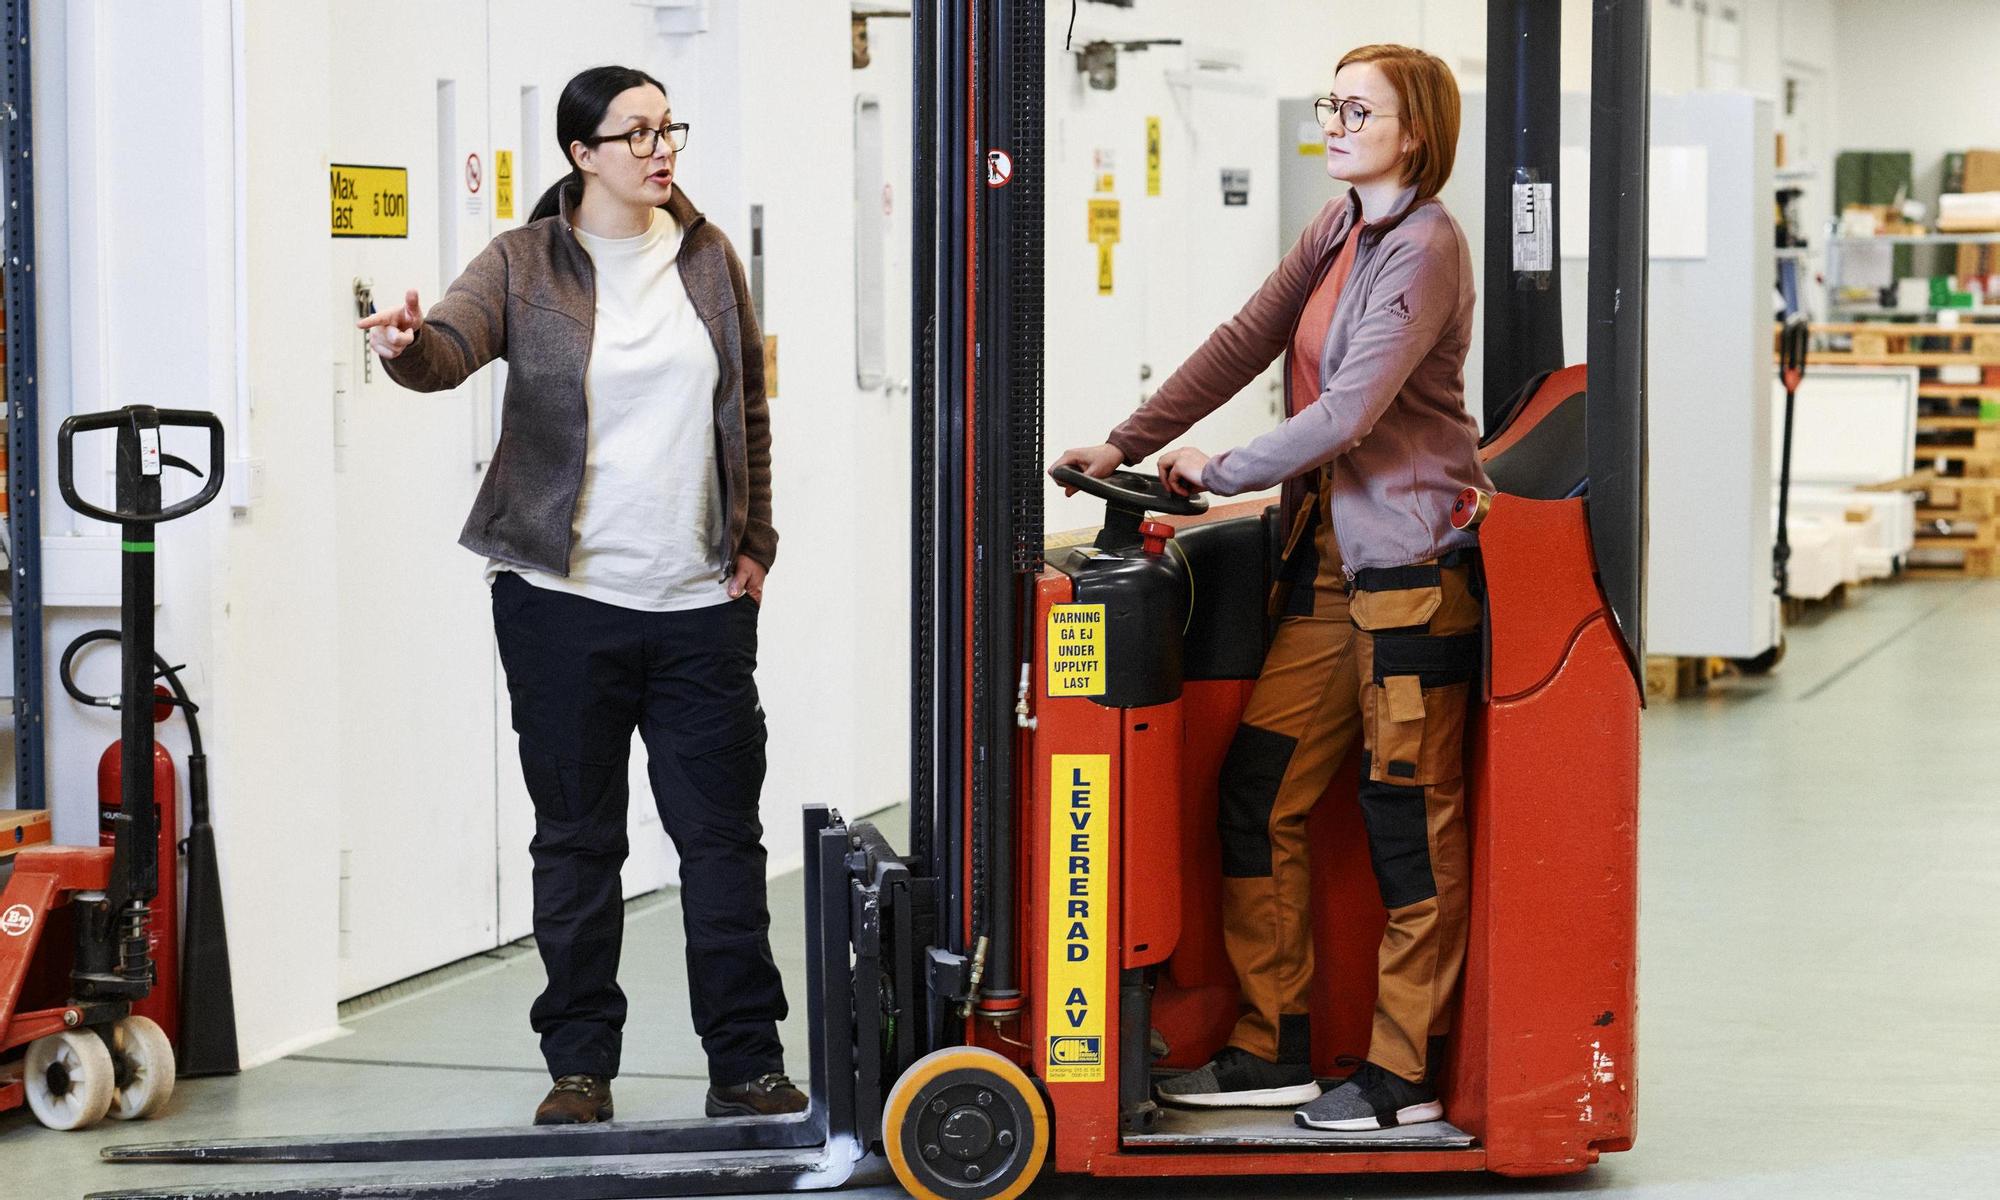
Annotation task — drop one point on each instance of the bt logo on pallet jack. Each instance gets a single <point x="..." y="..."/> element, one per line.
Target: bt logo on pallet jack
<point x="17" y="920"/>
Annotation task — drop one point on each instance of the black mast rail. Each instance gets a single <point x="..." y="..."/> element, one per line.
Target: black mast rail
<point x="1620" y="134"/>
<point x="1007" y="459"/>
<point x="1523" y="335"/>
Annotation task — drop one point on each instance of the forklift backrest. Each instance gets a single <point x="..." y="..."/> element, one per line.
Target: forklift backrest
<point x="1230" y="564"/>
<point x="1538" y="450"/>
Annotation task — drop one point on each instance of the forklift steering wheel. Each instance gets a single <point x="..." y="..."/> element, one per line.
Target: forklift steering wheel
<point x="1132" y="491"/>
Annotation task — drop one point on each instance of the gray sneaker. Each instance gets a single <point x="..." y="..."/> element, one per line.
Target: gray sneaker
<point x="1372" y="1098"/>
<point x="1239" y="1079"/>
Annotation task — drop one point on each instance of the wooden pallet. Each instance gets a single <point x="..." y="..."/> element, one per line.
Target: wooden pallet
<point x="1670" y="678"/>
<point x="1972" y="564"/>
<point x="1931" y="389"/>
<point x="1971" y="550"/>
<point x="1958" y="499"/>
<point x="1877" y="340"/>
<point x="22" y="828"/>
<point x="1957" y="433"/>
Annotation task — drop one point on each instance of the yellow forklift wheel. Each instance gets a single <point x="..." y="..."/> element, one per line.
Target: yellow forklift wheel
<point x="965" y="1124"/>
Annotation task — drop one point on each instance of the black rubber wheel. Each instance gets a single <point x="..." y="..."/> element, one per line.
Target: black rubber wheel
<point x="1762" y="664"/>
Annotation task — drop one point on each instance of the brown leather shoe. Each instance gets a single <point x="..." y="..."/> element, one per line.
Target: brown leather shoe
<point x="765" y="1096"/>
<point x="576" y="1100"/>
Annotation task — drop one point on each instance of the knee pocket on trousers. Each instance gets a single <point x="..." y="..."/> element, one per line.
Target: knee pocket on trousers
<point x="1413" y="706"/>
<point x="1414" y="735"/>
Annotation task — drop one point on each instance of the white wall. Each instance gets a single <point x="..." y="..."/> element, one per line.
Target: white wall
<point x="1186" y="262"/>
<point x="137" y="216"/>
<point x="834" y="658"/>
<point x="1919" y="76"/>
<point x="142" y="308"/>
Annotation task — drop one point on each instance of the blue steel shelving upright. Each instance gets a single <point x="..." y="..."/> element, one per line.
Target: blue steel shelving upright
<point x="24" y="514"/>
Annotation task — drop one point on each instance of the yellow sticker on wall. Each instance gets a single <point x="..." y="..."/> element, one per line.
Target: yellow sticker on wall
<point x="1104" y="268"/>
<point x="1152" y="156"/>
<point x="1076" y="646"/>
<point x="1104" y="223"/>
<point x="1080" y="789"/>
<point x="503" y="184"/>
<point x="370" y="202"/>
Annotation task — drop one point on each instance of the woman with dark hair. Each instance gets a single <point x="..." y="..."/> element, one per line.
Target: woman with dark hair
<point x="1379" y="612"/>
<point x="626" y="523"/>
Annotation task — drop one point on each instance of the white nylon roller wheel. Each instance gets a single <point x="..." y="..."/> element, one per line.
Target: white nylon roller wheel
<point x="143" y="1062"/>
<point x="70" y="1079"/>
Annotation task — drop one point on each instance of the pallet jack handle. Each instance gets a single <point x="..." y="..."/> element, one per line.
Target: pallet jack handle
<point x="142" y="421"/>
<point x="1793" y="340"/>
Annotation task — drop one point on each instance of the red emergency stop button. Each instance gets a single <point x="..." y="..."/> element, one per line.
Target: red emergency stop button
<point x="1155" y="535"/>
<point x="1470" y="508"/>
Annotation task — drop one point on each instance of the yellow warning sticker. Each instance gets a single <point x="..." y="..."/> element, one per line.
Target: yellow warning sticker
<point x="1081" y="784"/>
<point x="370" y="201"/>
<point x="1104" y="221"/>
<point x="1152" y="156"/>
<point x="1076" y="646"/>
<point x="503" y="184"/>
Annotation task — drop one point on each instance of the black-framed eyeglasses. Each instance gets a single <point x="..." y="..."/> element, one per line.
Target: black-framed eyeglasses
<point x="645" y="142"/>
<point x="1353" y="113"/>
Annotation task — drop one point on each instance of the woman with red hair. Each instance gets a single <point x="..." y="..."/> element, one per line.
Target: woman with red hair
<point x="1378" y="636"/>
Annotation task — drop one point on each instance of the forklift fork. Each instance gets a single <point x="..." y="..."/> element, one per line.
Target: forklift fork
<point x="857" y="912"/>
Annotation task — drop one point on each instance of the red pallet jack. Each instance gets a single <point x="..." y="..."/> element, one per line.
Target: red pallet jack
<point x="967" y="1021"/>
<point x="74" y="920"/>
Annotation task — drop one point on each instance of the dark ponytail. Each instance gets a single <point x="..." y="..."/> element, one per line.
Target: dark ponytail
<point x="578" y="114"/>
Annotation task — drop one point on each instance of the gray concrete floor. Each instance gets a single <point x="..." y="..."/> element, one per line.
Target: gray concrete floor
<point x="1819" y="971"/>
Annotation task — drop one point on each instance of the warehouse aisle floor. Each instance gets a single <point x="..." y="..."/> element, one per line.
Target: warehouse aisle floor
<point x="1819" y="971"/>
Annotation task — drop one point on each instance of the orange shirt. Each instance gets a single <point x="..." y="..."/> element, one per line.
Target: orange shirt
<point x="1310" y="337"/>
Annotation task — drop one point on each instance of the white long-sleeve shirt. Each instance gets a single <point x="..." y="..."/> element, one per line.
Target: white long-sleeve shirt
<point x="647" y="520"/>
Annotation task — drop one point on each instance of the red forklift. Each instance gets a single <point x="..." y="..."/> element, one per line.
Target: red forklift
<point x="998" y="1000"/>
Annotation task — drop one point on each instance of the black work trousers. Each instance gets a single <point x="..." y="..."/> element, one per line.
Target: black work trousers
<point x="582" y="676"/>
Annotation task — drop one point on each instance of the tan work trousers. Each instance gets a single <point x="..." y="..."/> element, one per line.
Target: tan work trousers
<point x="1391" y="662"/>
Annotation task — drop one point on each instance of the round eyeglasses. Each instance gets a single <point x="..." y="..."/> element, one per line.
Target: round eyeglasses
<point x="1353" y="113"/>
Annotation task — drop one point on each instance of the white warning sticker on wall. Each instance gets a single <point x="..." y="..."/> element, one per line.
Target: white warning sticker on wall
<point x="1534" y="228"/>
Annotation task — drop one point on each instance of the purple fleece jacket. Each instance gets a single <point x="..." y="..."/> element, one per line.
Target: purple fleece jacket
<point x="1391" y="417"/>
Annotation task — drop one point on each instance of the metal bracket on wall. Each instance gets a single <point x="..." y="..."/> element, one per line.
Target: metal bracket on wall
<point x="677" y="18"/>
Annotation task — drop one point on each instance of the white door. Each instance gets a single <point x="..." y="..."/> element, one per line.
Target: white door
<point x="1219" y="244"/>
<point x="1184" y="260"/>
<point x="1096" y="300"/>
<point x="414" y="698"/>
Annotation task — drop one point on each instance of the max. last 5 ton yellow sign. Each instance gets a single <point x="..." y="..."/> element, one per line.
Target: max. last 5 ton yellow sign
<point x="370" y="202"/>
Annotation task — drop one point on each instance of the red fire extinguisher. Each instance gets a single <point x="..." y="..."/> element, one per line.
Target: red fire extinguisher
<point x="162" y="1004"/>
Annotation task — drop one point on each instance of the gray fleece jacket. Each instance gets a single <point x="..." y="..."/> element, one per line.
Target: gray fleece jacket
<point x="530" y="297"/>
<point x="1391" y="418"/>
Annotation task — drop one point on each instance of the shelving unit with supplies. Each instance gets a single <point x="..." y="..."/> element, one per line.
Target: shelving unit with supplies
<point x="1957" y="438"/>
